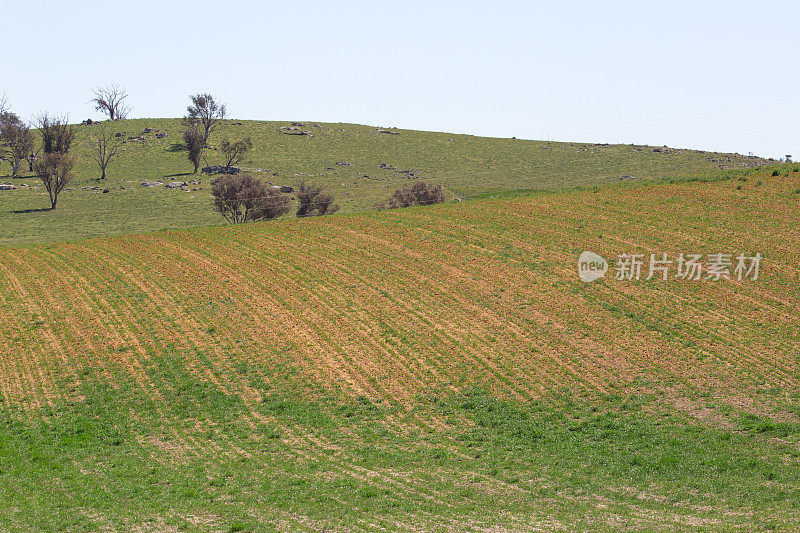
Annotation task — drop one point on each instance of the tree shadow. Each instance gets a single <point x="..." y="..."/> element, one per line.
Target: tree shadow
<point x="177" y="147"/>
<point x="178" y="175"/>
<point x="26" y="211"/>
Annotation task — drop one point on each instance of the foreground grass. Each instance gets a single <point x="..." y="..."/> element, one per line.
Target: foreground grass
<point x="468" y="166"/>
<point x="109" y="462"/>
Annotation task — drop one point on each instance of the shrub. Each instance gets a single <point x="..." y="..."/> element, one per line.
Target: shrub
<point x="244" y="198"/>
<point x="418" y="194"/>
<point x="776" y="173"/>
<point x="312" y="201"/>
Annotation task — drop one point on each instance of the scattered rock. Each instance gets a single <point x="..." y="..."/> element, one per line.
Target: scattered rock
<point x="220" y="169"/>
<point x="293" y="130"/>
<point x="175" y="184"/>
<point x="152" y="183"/>
<point x="7" y="187"/>
<point x="342" y="164"/>
<point x="388" y="132"/>
<point x="628" y="177"/>
<point x="286" y="189"/>
<point x="298" y="124"/>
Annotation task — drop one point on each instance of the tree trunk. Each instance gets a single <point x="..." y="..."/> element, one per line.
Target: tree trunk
<point x="104" y="174"/>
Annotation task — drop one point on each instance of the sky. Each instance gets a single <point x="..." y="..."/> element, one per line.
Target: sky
<point x="714" y="75"/>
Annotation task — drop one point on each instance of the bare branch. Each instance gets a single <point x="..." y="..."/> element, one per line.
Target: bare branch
<point x="110" y="101"/>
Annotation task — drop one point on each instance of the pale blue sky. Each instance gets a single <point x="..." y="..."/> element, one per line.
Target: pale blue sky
<point x="705" y="74"/>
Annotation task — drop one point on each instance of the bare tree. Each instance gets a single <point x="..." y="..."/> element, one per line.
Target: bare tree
<point x="244" y="198"/>
<point x="4" y="105"/>
<point x="312" y="201"/>
<point x="235" y="152"/>
<point x="206" y="112"/>
<point x="54" y="167"/>
<point x="55" y="171"/>
<point x="57" y="134"/>
<point x="103" y="147"/>
<point x="110" y="100"/>
<point x="193" y="140"/>
<point x="16" y="141"/>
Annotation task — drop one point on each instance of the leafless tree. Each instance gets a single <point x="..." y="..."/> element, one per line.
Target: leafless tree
<point x="54" y="167"/>
<point x="103" y="147"/>
<point x="4" y="106"/>
<point x="55" y="171"/>
<point x="235" y="152"/>
<point x="57" y="134"/>
<point x="244" y="198"/>
<point x="206" y="112"/>
<point x="16" y="141"/>
<point x="110" y="100"/>
<point x="193" y="140"/>
<point x="312" y="201"/>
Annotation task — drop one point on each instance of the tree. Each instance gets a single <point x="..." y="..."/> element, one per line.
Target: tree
<point x="103" y="147"/>
<point x="3" y="102"/>
<point x="193" y="140"/>
<point x="312" y="201"/>
<point x="206" y="112"/>
<point x="235" y="152"/>
<point x="418" y="194"/>
<point x="54" y="167"/>
<point x="55" y="171"/>
<point x="16" y="141"/>
<point x="57" y="134"/>
<point x="110" y="101"/>
<point x="244" y="198"/>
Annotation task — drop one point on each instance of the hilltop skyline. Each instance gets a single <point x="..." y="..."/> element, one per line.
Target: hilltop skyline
<point x="715" y="76"/>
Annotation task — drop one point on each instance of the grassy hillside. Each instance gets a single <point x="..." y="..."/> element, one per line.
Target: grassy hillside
<point x="467" y="165"/>
<point x="426" y="368"/>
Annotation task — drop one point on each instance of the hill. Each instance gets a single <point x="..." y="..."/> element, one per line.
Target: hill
<point x="425" y="368"/>
<point x="359" y="164"/>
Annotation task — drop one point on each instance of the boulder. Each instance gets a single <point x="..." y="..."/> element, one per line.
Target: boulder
<point x="220" y="169"/>
<point x="293" y="130"/>
<point x="287" y="189"/>
<point x="7" y="187"/>
<point x="175" y="184"/>
<point x="152" y="183"/>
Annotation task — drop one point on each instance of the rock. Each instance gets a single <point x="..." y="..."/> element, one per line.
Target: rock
<point x="118" y="134"/>
<point x="628" y="177"/>
<point x="175" y="184"/>
<point x="149" y="130"/>
<point x="293" y="130"/>
<point x="298" y="124"/>
<point x="341" y="164"/>
<point x="220" y="169"/>
<point x="286" y="189"/>
<point x="388" y="132"/>
<point x="106" y="191"/>
<point x="7" y="187"/>
<point x="152" y="183"/>
<point x="160" y="135"/>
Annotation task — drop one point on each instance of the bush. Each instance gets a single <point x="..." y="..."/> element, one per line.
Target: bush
<point x="244" y="198"/>
<point x="312" y="201"/>
<point x="418" y="194"/>
<point x="776" y="173"/>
